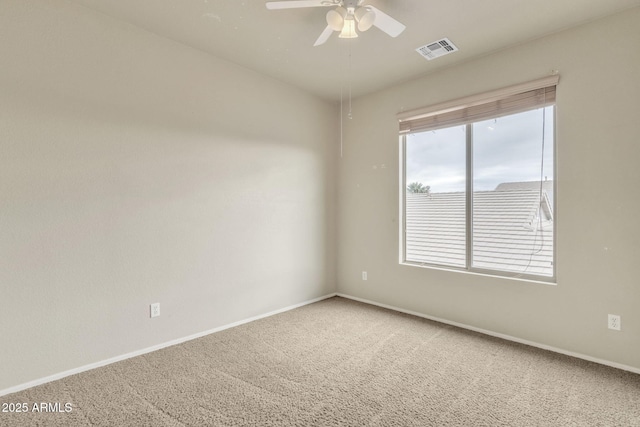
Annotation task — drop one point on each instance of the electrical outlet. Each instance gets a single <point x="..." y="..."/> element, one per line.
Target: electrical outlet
<point x="364" y="275"/>
<point x="155" y="309"/>
<point x="615" y="322"/>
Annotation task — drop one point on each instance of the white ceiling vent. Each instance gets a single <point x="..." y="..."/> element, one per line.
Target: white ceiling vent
<point x="437" y="49"/>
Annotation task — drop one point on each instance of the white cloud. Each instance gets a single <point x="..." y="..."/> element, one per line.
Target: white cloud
<point x="510" y="152"/>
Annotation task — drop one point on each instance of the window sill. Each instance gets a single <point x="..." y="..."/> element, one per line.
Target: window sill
<point x="509" y="276"/>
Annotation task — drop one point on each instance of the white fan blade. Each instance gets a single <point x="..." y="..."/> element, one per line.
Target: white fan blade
<point x="324" y="36"/>
<point x="296" y="4"/>
<point x="387" y="23"/>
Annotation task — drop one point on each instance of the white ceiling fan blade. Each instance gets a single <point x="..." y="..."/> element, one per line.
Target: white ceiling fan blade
<point x="297" y="3"/>
<point x="387" y="23"/>
<point x="324" y="36"/>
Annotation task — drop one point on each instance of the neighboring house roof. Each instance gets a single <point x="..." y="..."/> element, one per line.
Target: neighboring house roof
<point x="509" y="235"/>
<point x="527" y="185"/>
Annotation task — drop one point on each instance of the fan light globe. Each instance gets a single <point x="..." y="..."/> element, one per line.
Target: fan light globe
<point x="335" y="18"/>
<point x="349" y="29"/>
<point x="365" y="18"/>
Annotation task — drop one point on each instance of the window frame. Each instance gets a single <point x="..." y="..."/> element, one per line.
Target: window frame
<point x="462" y="103"/>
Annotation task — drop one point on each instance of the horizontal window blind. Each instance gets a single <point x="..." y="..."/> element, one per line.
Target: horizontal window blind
<point x="488" y="105"/>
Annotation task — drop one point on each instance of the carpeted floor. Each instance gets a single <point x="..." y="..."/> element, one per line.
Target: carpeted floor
<point x="340" y="363"/>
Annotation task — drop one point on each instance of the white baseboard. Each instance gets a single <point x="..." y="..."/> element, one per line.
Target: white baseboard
<point x="115" y="359"/>
<point x="498" y="335"/>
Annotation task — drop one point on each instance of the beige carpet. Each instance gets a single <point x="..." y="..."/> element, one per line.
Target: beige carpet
<point x="341" y="363"/>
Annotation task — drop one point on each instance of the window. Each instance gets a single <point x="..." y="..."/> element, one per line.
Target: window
<point x="478" y="179"/>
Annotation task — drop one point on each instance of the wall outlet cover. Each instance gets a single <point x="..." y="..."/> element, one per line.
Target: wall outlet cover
<point x="614" y="322"/>
<point x="155" y="309"/>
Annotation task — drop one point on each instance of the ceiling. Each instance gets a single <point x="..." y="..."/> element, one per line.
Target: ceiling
<point x="279" y="43"/>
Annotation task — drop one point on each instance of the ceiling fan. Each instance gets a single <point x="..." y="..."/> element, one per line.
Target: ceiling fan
<point x="347" y="15"/>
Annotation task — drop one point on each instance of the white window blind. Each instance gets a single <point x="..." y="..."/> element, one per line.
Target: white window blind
<point x="506" y="101"/>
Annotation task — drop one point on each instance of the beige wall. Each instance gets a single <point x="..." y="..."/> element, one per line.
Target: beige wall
<point x="135" y="170"/>
<point x="598" y="232"/>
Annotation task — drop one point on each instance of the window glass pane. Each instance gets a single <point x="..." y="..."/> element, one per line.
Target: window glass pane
<point x="513" y="193"/>
<point x="435" y="170"/>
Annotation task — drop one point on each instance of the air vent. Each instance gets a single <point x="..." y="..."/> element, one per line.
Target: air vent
<point x="437" y="49"/>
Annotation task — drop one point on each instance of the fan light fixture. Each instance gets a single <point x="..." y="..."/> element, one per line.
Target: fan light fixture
<point x="344" y="20"/>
